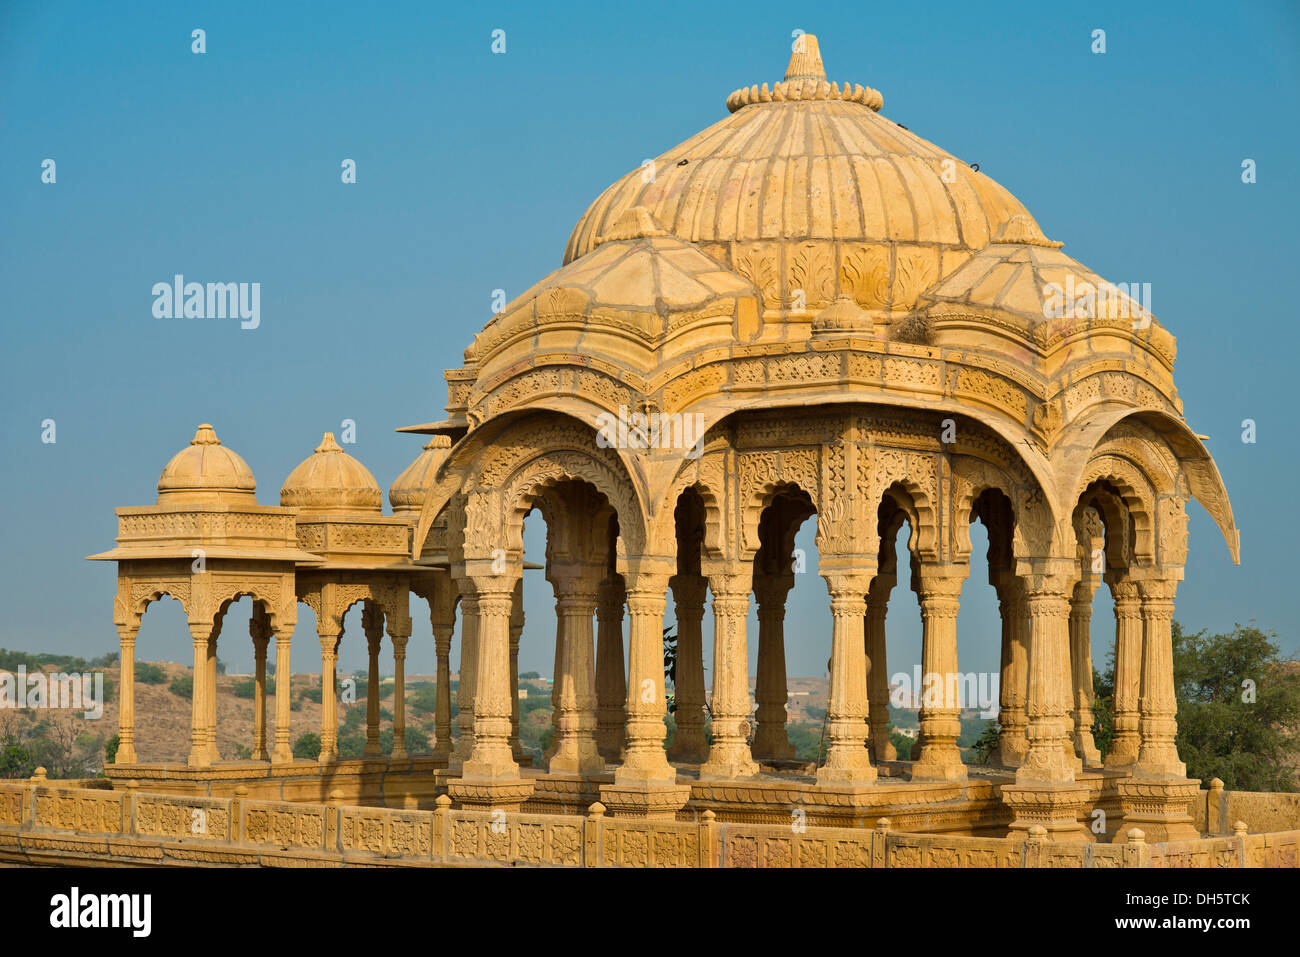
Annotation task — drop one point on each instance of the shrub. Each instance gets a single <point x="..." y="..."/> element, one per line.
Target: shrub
<point x="183" y="686"/>
<point x="307" y="746"/>
<point x="110" y="748"/>
<point x="149" y="674"/>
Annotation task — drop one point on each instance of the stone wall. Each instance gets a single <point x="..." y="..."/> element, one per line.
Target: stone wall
<point x="40" y="824"/>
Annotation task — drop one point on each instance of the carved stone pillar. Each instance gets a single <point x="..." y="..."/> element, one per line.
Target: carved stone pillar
<point x="645" y="784"/>
<point x="399" y="691"/>
<point x="611" y="685"/>
<point x="259" y="629"/>
<point x="1081" y="670"/>
<point x="372" y="622"/>
<point x="1128" y="673"/>
<point x="729" y="756"/>
<point x="575" y="749"/>
<point x="442" y="633"/>
<point x="126" y="696"/>
<point x="770" y="739"/>
<point x="200" y="757"/>
<point x="1157" y="797"/>
<point x="1158" y="727"/>
<point x="847" y="760"/>
<point x="283" y="753"/>
<point x="689" y="745"/>
<point x="490" y="777"/>
<point x="469" y="628"/>
<point x="1013" y="744"/>
<point x="878" y="744"/>
<point x="516" y="632"/>
<point x="938" y="588"/>
<point x="1049" y="685"/>
<point x="1045" y="791"/>
<point x="330" y="635"/>
<point x="210" y="722"/>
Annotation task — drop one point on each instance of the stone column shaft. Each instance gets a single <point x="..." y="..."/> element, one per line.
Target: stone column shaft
<point x="1128" y="673"/>
<point x="283" y="753"/>
<point x="879" y="745"/>
<point x="329" y="706"/>
<point x="373" y="625"/>
<point x="1081" y="670"/>
<point x="575" y="749"/>
<point x="940" y="758"/>
<point x="689" y="745"/>
<point x="442" y="705"/>
<point x="199" y="755"/>
<point x="1049" y="686"/>
<point x="469" y="628"/>
<point x="771" y="741"/>
<point x="611" y="684"/>
<point x="210" y="731"/>
<point x="260" y="642"/>
<point x="126" y="697"/>
<point x="1013" y="744"/>
<point x="491" y="759"/>
<point x="847" y="761"/>
<point x="729" y="756"/>
<point x="644" y="761"/>
<point x="399" y="695"/>
<point x="1158" y="726"/>
<point x="516" y="632"/>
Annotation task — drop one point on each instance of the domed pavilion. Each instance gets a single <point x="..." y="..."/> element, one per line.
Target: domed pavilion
<point x="808" y="310"/>
<point x="805" y="311"/>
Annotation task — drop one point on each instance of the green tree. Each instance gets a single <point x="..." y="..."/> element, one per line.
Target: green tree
<point x="987" y="742"/>
<point x="110" y="748"/>
<point x="307" y="746"/>
<point x="1238" y="709"/>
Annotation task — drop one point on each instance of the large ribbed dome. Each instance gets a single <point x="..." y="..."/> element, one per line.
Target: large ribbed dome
<point x="805" y="186"/>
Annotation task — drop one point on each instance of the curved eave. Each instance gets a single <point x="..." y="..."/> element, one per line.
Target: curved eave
<point x="1071" y="453"/>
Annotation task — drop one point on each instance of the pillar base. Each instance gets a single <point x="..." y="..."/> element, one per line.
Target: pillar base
<point x="507" y="794"/>
<point x="731" y="765"/>
<point x="1087" y="751"/>
<point x="689" y="749"/>
<point x="576" y="759"/>
<point x="1057" y="807"/>
<point x="649" y="801"/>
<point x="1158" y="808"/>
<point x="928" y="769"/>
<point x="1120" y="760"/>
<point x="847" y="770"/>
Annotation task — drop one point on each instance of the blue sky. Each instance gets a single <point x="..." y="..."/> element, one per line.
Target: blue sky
<point x="473" y="167"/>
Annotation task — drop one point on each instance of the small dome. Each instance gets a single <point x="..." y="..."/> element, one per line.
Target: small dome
<point x="841" y="317"/>
<point x="331" y="481"/>
<point x="206" y="471"/>
<point x="409" y="489"/>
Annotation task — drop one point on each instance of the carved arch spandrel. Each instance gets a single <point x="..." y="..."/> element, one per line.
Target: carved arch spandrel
<point x="491" y="456"/>
<point x="494" y="518"/>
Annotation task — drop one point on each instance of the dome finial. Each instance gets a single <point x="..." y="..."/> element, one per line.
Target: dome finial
<point x="205" y="436"/>
<point x="805" y="60"/>
<point x="805" y="79"/>
<point x="327" y="444"/>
